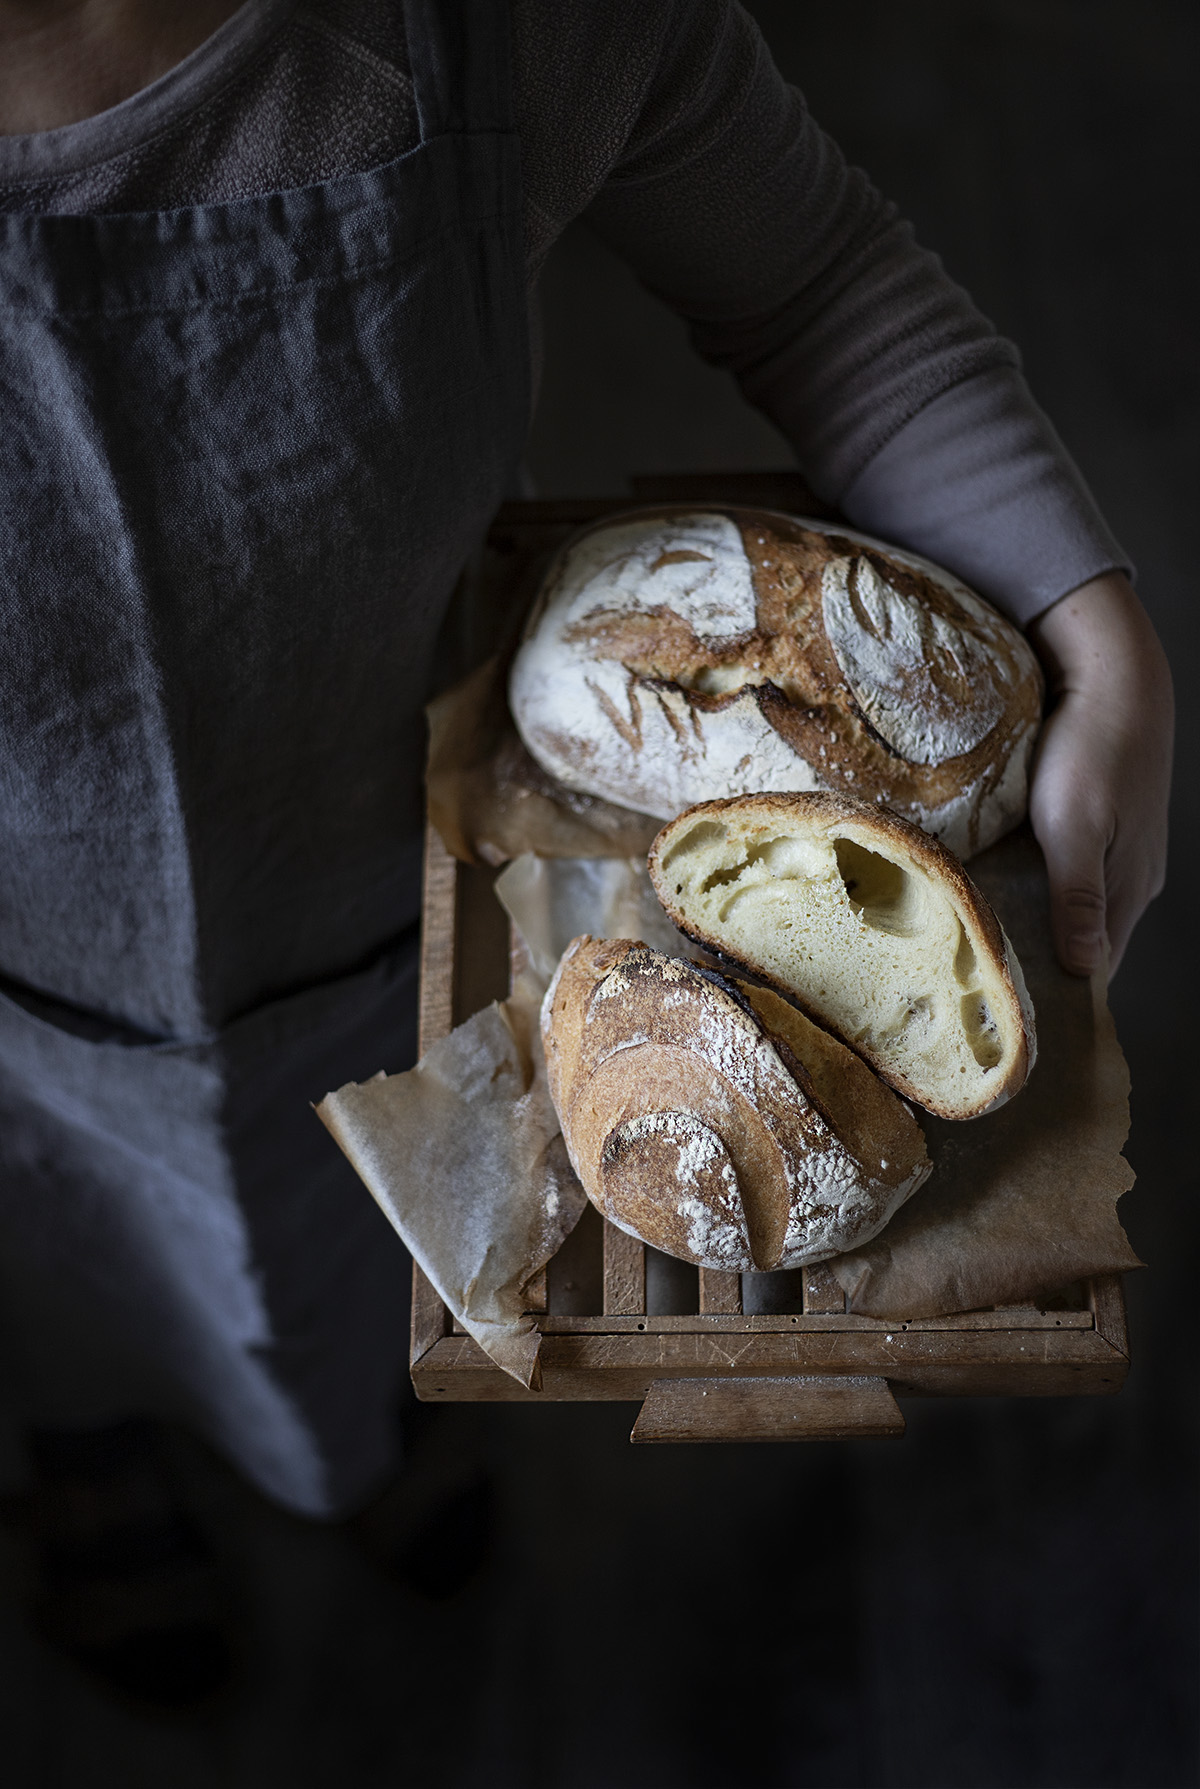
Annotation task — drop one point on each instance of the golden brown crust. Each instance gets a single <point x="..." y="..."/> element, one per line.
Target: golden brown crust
<point x="871" y="1122"/>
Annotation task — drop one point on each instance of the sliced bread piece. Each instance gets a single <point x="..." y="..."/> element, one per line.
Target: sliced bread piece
<point x="869" y="925"/>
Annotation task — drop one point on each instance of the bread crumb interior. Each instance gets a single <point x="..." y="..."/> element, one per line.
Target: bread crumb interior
<point x="869" y="943"/>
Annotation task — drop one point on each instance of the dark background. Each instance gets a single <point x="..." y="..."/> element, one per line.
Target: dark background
<point x="1007" y="1598"/>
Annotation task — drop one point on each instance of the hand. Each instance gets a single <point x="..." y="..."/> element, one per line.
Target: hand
<point x="1098" y="803"/>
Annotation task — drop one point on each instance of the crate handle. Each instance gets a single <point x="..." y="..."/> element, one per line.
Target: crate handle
<point x="828" y="1408"/>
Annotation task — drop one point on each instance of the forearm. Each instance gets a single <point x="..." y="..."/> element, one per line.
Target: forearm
<point x="792" y="270"/>
<point x="980" y="482"/>
<point x="904" y="406"/>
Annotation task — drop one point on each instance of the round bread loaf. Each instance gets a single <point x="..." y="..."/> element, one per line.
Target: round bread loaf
<point x="713" y="1120"/>
<point x="873" y="927"/>
<point x="678" y="655"/>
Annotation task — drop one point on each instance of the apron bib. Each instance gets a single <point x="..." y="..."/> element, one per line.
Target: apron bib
<point x="247" y="449"/>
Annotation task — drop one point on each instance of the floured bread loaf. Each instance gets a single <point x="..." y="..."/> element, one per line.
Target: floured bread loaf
<point x="713" y="1120"/>
<point x="872" y="927"/>
<point x="679" y="655"/>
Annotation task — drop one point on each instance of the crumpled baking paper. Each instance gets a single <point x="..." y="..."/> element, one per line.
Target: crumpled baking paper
<point x="464" y="1154"/>
<point x="551" y="901"/>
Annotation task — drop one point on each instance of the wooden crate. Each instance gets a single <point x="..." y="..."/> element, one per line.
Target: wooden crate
<point x="713" y="1371"/>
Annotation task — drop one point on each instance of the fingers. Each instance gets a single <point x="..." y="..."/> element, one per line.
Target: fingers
<point x="1074" y="824"/>
<point x="1098" y="801"/>
<point x="1135" y="870"/>
<point x="1102" y="877"/>
<point x="1078" y="898"/>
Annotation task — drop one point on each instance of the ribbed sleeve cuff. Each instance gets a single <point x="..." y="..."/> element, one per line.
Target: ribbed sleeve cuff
<point x="980" y="482"/>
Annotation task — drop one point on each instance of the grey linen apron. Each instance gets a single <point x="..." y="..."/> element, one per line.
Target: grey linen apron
<point x="245" y="450"/>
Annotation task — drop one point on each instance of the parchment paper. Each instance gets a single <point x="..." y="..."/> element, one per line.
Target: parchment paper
<point x="490" y="801"/>
<point x="464" y="1155"/>
<point x="1023" y="1201"/>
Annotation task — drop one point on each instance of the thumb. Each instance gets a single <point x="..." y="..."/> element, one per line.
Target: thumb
<point x="1078" y="907"/>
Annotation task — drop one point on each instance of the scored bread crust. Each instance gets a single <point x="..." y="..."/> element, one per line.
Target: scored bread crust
<point x="745" y="830"/>
<point x="678" y="654"/>
<point x="697" y="1126"/>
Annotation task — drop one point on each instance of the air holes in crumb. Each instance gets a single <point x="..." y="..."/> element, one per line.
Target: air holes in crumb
<point x="789" y="859"/>
<point x="914" y="1019"/>
<point x="965" y="963"/>
<point x="706" y="832"/>
<point x="982" y="1033"/>
<point x="885" y="896"/>
<point x="721" y="878"/>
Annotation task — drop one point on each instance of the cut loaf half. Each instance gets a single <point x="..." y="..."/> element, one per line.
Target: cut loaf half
<point x="872" y="927"/>
<point x="712" y="1119"/>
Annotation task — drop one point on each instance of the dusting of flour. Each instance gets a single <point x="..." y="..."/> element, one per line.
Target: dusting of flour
<point x="926" y="685"/>
<point x="696" y="566"/>
<point x="833" y="1199"/>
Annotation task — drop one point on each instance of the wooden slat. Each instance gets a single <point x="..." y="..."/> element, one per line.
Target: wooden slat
<point x="429" y="1321"/>
<point x="821" y="1290"/>
<point x="624" y="1273"/>
<point x="481" y="942"/>
<point x="438" y="905"/>
<point x="784" y="1409"/>
<point x="996" y="1363"/>
<point x="1107" y="1301"/>
<point x="734" y="1323"/>
<point x="720" y="1292"/>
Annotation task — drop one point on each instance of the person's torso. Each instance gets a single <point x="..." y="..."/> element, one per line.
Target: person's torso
<point x="250" y="443"/>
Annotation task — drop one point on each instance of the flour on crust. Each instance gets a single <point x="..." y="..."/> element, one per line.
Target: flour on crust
<point x="925" y="683"/>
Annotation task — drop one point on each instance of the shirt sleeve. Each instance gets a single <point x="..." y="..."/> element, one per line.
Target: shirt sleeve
<point x="905" y="407"/>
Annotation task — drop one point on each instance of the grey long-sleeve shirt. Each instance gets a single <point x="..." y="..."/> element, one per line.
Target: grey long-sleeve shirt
<point x="667" y="125"/>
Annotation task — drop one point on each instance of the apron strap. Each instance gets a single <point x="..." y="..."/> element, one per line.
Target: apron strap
<point x="459" y="56"/>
